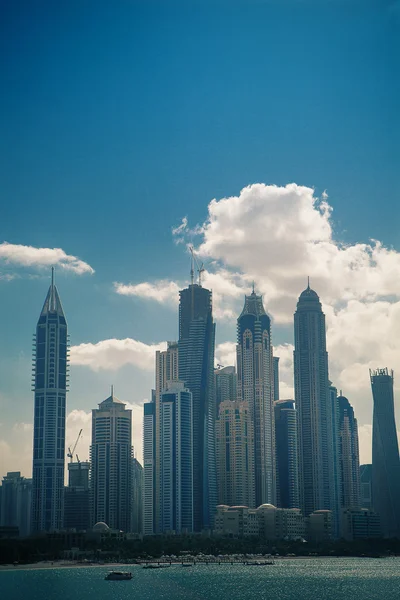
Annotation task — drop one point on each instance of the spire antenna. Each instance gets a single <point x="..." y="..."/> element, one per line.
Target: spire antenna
<point x="253" y="287"/>
<point x="52" y="276"/>
<point x="112" y="390"/>
<point x="191" y="265"/>
<point x="308" y="282"/>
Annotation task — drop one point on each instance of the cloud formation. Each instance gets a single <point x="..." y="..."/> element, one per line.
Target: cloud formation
<point x="113" y="354"/>
<point x="29" y="256"/>
<point x="162" y="291"/>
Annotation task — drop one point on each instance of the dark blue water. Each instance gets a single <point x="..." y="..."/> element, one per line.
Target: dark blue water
<point x="308" y="579"/>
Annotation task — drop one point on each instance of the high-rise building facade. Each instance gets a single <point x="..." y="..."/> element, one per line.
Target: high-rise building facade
<point x="349" y="459"/>
<point x="149" y="466"/>
<point x="366" y="500"/>
<point x="176" y="466"/>
<point x="334" y="457"/>
<point x="50" y="388"/>
<point x="166" y="371"/>
<point x="15" y="502"/>
<point x="276" y="377"/>
<point x="314" y="410"/>
<point x="234" y="449"/>
<point x="255" y="386"/>
<point x="287" y="458"/>
<point x="111" y="460"/>
<point x="137" y="497"/>
<point x="385" y="454"/>
<point x="225" y="385"/>
<point x="196" y="370"/>
<point x="77" y="497"/>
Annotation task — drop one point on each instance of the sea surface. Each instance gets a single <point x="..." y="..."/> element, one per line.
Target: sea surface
<point x="294" y="579"/>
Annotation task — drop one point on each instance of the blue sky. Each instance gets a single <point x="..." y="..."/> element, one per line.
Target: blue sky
<point x="119" y="119"/>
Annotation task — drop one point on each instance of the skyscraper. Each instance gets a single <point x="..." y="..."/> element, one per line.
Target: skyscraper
<point x="235" y="443"/>
<point x="276" y="377"/>
<point x="15" y="502"/>
<point x="255" y="386"/>
<point x="313" y="406"/>
<point x="149" y="466"/>
<point x="50" y="388"/>
<point x="287" y="458"/>
<point x="111" y="459"/>
<point x="334" y="458"/>
<point x="225" y="385"/>
<point x="385" y="454"/>
<point x="348" y="455"/>
<point x="166" y="371"/>
<point x="77" y="497"/>
<point x="137" y="497"/>
<point x="196" y="370"/>
<point x="176" y="459"/>
<point x="366" y="500"/>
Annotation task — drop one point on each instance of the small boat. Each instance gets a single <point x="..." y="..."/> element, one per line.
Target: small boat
<point x="156" y="566"/>
<point x="118" y="576"/>
<point x="187" y="564"/>
<point x="259" y="563"/>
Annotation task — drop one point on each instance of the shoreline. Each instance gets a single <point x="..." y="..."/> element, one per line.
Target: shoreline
<point x="78" y="565"/>
<point x="59" y="565"/>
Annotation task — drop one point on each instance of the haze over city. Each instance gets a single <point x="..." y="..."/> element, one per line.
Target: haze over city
<point x="274" y="170"/>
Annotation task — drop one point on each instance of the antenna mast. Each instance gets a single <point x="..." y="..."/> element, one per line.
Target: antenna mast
<point x="200" y="268"/>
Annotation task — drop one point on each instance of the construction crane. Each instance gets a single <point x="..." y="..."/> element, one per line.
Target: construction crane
<point x="200" y="268"/>
<point x="70" y="453"/>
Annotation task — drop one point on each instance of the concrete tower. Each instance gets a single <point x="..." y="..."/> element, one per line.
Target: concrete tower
<point x="287" y="458"/>
<point x="255" y="386"/>
<point x="149" y="466"/>
<point x="349" y="459"/>
<point x="50" y="387"/>
<point x="111" y="459"/>
<point x="235" y="444"/>
<point x="312" y="396"/>
<point x="166" y="371"/>
<point x="225" y="385"/>
<point x="176" y="459"/>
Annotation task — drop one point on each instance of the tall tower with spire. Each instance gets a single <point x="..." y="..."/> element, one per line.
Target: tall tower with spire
<point x="315" y="427"/>
<point x="255" y="386"/>
<point x="50" y="376"/>
<point x="196" y="370"/>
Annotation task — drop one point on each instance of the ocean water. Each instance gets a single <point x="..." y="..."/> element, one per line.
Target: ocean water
<point x="302" y="579"/>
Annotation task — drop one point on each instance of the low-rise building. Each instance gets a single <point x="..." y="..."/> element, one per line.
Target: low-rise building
<point x="266" y="521"/>
<point x="280" y="523"/>
<point x="360" y="523"/>
<point x="236" y="521"/>
<point x="320" y="526"/>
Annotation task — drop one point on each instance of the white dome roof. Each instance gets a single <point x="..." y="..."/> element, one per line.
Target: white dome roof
<point x="100" y="526"/>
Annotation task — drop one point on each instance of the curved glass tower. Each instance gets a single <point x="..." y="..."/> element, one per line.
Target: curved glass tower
<point x="255" y="386"/>
<point x="50" y="387"/>
<point x="196" y="370"/>
<point x="385" y="454"/>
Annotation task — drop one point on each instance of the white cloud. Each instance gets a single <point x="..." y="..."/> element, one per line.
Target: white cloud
<point x="161" y="291"/>
<point x="225" y="354"/>
<point x="286" y="385"/>
<point x="279" y="235"/>
<point x="113" y="354"/>
<point x="25" y="427"/>
<point x="29" y="256"/>
<point x="7" y="276"/>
